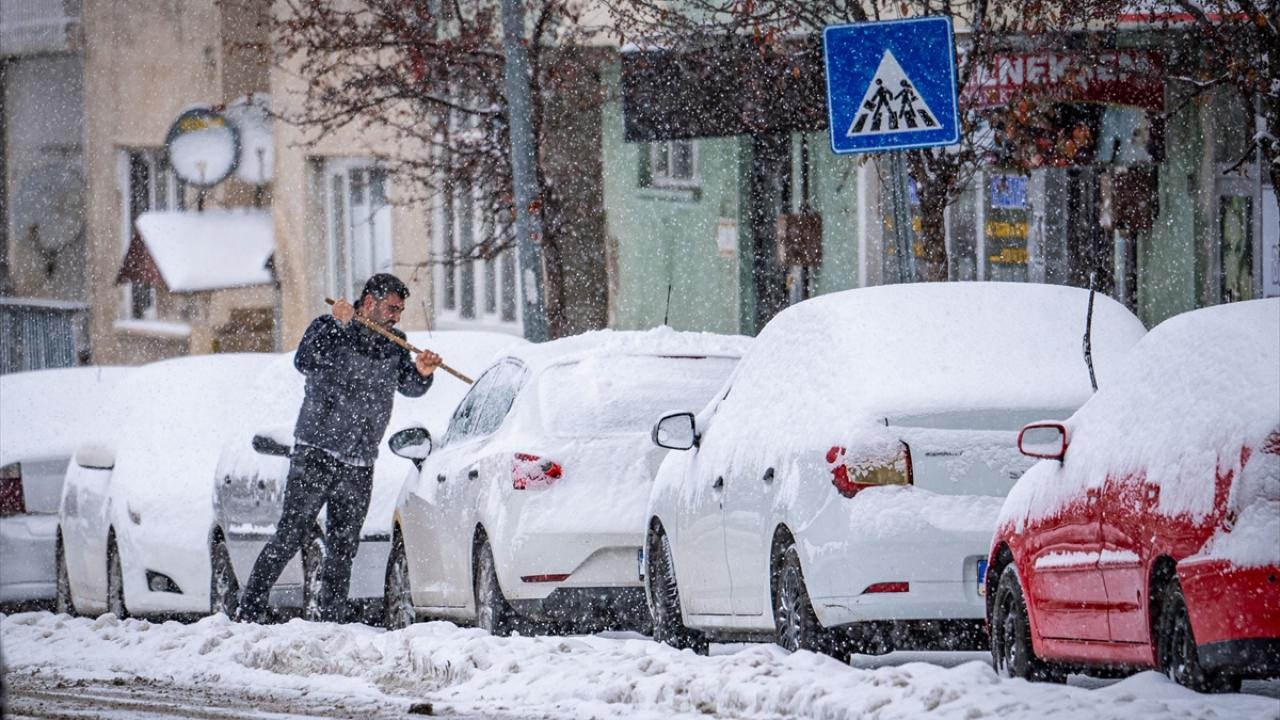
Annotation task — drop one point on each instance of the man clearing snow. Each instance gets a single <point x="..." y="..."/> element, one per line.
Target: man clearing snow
<point x="352" y="377"/>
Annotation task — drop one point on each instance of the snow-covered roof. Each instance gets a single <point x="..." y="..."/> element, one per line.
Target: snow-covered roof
<point x="49" y="413"/>
<point x="658" y="341"/>
<point x="209" y="250"/>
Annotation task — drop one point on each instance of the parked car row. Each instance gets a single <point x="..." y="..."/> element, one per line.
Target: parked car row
<point x="918" y="466"/>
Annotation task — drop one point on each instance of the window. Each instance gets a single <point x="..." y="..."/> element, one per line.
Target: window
<point x="475" y="287"/>
<point x="149" y="184"/>
<point x="670" y="164"/>
<point x="481" y="412"/>
<point x="357" y="224"/>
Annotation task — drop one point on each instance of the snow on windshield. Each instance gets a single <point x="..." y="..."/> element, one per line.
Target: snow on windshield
<point x="625" y="394"/>
<point x="1195" y="390"/>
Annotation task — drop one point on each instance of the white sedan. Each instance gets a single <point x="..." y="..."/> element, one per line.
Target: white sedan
<point x="843" y="490"/>
<point x="532" y="506"/>
<point x="44" y="415"/>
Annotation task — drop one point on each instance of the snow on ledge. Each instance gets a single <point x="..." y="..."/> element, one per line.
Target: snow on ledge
<point x="209" y="250"/>
<point x="156" y="328"/>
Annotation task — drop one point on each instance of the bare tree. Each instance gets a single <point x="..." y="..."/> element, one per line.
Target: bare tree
<point x="428" y="74"/>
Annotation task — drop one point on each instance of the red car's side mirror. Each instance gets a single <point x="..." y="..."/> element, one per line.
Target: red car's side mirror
<point x="1046" y="440"/>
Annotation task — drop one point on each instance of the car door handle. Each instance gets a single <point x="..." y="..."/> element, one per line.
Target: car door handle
<point x="768" y="475"/>
<point x="718" y="484"/>
<point x="440" y="477"/>
<point x="473" y="474"/>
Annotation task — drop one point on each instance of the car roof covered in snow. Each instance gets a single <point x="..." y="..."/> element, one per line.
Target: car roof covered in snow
<point x="1195" y="390"/>
<point x="657" y="341"/>
<point x="49" y="413"/>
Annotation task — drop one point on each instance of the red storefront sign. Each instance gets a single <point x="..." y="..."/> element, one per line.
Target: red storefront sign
<point x="1117" y="77"/>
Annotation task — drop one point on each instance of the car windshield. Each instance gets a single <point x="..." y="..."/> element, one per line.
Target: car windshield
<point x="625" y="394"/>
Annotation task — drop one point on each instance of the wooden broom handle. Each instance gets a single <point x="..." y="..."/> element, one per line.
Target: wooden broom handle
<point x="393" y="338"/>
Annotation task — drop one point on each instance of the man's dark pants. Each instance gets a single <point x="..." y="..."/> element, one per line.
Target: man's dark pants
<point x="315" y="479"/>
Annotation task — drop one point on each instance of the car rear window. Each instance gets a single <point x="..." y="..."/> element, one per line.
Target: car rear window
<point x="624" y="394"/>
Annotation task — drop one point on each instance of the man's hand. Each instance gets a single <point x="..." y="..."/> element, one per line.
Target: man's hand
<point x="427" y="362"/>
<point x="343" y="311"/>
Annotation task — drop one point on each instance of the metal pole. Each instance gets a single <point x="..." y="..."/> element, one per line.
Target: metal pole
<point x="902" y="244"/>
<point x="523" y="174"/>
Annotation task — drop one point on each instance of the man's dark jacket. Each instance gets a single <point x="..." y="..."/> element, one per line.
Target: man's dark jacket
<point x="352" y="377"/>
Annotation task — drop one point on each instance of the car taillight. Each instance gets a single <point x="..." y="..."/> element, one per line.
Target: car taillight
<point x="530" y="472"/>
<point x="852" y="475"/>
<point x="12" y="501"/>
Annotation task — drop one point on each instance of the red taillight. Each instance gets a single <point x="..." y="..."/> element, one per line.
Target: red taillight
<point x="530" y="472"/>
<point x="544" y="578"/>
<point x="888" y="587"/>
<point x="852" y="475"/>
<point x="12" y="501"/>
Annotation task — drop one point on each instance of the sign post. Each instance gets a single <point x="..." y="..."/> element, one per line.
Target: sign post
<point x="891" y="86"/>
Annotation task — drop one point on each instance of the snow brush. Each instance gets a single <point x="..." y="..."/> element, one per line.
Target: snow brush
<point x="378" y="329"/>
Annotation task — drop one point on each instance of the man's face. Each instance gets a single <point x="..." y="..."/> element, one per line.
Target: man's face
<point x="383" y="311"/>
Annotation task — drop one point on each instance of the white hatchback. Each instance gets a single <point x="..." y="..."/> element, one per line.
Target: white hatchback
<point x="842" y="491"/>
<point x="532" y="506"/>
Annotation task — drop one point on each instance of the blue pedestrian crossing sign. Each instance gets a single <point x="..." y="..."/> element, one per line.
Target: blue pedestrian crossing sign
<point x="891" y="85"/>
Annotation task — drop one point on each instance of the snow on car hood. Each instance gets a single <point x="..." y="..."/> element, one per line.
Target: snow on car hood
<point x="830" y="365"/>
<point x="49" y="413"/>
<point x="1195" y="390"/>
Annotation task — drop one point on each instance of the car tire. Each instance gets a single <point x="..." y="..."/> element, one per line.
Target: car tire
<point x="493" y="613"/>
<point x="1012" y="654"/>
<point x="664" y="598"/>
<point x="398" y="611"/>
<point x="1176" y="647"/>
<point x="115" y="583"/>
<point x="62" y="602"/>
<point x="796" y="627"/>
<point x="312" y="561"/>
<point x="224" y="588"/>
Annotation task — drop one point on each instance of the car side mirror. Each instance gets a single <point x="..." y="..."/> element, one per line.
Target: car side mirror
<point x="270" y="446"/>
<point x="96" y="457"/>
<point x="412" y="443"/>
<point x="1046" y="440"/>
<point x="677" y="431"/>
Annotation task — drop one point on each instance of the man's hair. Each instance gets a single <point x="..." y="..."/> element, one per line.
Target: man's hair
<point x="383" y="284"/>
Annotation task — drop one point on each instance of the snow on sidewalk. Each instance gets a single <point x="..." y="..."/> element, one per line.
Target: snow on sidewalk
<point x="467" y="670"/>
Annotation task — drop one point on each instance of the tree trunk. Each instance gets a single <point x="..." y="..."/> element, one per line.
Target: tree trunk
<point x="932" y="265"/>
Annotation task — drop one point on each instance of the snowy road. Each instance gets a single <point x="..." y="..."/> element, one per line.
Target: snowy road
<point x="55" y="666"/>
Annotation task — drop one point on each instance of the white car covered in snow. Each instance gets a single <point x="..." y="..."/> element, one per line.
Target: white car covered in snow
<point x="44" y="415"/>
<point x="531" y="507"/>
<point x="842" y="491"/>
<point x="249" y="481"/>
<point x="137" y="506"/>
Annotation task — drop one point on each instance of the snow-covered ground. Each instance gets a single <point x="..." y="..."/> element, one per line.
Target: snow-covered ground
<point x="468" y="672"/>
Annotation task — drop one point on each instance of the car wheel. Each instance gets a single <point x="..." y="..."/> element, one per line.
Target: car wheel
<point x="312" y="561"/>
<point x="796" y="627"/>
<point x="62" y="602"/>
<point x="664" y="598"/>
<point x="224" y="589"/>
<point x="492" y="611"/>
<point x="115" y="583"/>
<point x="398" y="612"/>
<point x="1176" y="647"/>
<point x="1011" y="652"/>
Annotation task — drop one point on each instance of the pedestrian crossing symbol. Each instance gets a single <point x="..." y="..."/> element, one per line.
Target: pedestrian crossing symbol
<point x="891" y="85"/>
<point x="891" y="103"/>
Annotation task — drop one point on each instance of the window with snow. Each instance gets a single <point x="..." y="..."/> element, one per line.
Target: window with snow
<point x="149" y="184"/>
<point x="476" y="277"/>
<point x="671" y="164"/>
<point x="357" y="223"/>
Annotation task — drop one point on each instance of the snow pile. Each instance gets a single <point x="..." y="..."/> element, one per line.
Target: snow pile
<point x="49" y="413"/>
<point x="1195" y="390"/>
<point x="466" y="671"/>
<point x="1254" y="539"/>
<point x="209" y="250"/>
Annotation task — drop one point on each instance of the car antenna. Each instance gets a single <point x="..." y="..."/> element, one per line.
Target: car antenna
<point x="1088" y="332"/>
<point x="666" y="314"/>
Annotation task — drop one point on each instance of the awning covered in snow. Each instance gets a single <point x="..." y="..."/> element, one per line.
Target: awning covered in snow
<point x="194" y="251"/>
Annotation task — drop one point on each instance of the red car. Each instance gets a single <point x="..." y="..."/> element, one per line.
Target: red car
<point x="1149" y="535"/>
